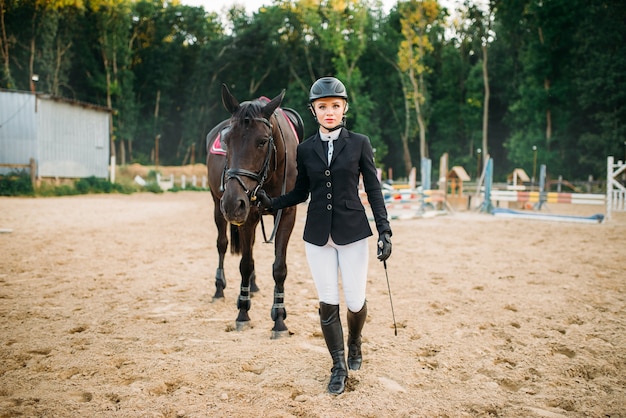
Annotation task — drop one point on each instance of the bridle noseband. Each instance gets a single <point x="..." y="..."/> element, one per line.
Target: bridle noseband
<point x="261" y="176"/>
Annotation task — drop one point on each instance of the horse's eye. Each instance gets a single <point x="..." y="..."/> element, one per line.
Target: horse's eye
<point x="262" y="142"/>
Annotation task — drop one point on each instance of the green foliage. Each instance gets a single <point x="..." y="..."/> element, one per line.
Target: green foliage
<point x="50" y="190"/>
<point x="188" y="188"/>
<point x="556" y="81"/>
<point x="152" y="174"/>
<point x="16" y="184"/>
<point x="19" y="184"/>
<point x="153" y="187"/>
<point x="93" y="185"/>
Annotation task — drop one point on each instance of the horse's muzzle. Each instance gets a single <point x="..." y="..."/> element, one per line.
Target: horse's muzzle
<point x="235" y="208"/>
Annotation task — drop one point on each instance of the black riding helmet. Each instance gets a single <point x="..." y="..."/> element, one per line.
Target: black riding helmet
<point x="327" y="87"/>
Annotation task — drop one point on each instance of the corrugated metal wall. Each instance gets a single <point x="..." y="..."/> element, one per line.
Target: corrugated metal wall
<point x="18" y="136"/>
<point x="67" y="139"/>
<point x="73" y="140"/>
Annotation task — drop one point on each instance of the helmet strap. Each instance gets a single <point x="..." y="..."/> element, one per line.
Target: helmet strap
<point x="341" y="125"/>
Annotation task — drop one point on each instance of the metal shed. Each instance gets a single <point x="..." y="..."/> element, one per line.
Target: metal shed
<point x="67" y="138"/>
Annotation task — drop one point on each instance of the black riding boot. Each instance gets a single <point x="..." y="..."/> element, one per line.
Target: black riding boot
<point x="355" y="325"/>
<point x="333" y="334"/>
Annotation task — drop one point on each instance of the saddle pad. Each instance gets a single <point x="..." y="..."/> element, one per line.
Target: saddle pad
<point x="218" y="149"/>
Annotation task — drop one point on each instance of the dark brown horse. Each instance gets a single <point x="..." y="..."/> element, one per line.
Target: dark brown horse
<point x="254" y="149"/>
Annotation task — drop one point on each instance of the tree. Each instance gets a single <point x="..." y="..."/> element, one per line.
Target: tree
<point x="6" y="43"/>
<point x="341" y="29"/>
<point x="417" y="18"/>
<point x="112" y="27"/>
<point x="480" y="21"/>
<point x="541" y="112"/>
<point x="205" y="65"/>
<point x="537" y="73"/>
<point x="599" y="59"/>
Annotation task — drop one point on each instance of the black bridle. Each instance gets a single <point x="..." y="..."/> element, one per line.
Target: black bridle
<point x="260" y="177"/>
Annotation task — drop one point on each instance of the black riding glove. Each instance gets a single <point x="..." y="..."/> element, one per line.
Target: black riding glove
<point x="263" y="200"/>
<point x="384" y="246"/>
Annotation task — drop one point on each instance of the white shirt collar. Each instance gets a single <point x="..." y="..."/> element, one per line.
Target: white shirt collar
<point x="331" y="136"/>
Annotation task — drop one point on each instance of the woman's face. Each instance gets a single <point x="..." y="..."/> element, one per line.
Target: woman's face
<point x="329" y="112"/>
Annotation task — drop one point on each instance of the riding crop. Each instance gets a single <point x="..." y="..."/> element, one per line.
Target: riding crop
<point x="395" y="327"/>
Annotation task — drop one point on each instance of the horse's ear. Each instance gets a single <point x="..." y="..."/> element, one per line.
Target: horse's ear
<point x="269" y="108"/>
<point x="228" y="100"/>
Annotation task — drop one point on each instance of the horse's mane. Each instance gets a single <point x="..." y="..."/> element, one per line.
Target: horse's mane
<point x="248" y="110"/>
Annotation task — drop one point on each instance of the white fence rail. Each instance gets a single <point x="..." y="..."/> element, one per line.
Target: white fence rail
<point x="169" y="182"/>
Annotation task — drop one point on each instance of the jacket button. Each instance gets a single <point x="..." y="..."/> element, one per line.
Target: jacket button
<point x="328" y="196"/>
<point x="327" y="173"/>
<point x="329" y="207"/>
<point x="328" y="184"/>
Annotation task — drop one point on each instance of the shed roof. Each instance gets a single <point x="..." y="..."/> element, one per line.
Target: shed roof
<point x="520" y="173"/>
<point x="458" y="172"/>
<point x="47" y="96"/>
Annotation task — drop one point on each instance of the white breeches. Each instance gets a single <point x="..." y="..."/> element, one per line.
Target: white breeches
<point x="351" y="260"/>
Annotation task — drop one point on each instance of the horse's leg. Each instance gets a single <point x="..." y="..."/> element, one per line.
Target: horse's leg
<point x="222" y="245"/>
<point x="279" y="271"/>
<point x="253" y="286"/>
<point x="246" y="268"/>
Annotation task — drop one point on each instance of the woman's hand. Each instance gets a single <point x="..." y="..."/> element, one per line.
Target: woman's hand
<point x="263" y="200"/>
<point x="384" y="246"/>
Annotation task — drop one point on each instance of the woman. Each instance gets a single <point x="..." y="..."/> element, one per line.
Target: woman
<point x="330" y="164"/>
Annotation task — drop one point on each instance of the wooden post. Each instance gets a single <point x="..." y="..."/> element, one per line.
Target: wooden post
<point x="156" y="151"/>
<point x="33" y="172"/>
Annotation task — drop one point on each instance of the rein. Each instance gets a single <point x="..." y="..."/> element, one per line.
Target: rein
<point x="282" y="191"/>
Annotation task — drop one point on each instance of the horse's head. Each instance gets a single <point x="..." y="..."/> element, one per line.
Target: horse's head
<point x="250" y="157"/>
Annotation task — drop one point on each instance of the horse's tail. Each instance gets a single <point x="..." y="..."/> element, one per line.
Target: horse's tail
<point x="235" y="241"/>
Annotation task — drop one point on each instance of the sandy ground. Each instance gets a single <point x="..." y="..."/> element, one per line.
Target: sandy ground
<point x="106" y="310"/>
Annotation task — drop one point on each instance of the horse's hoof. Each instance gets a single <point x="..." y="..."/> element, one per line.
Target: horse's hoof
<point x="242" y="325"/>
<point x="276" y="335"/>
<point x="217" y="299"/>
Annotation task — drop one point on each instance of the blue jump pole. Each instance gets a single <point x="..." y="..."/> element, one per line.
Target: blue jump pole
<point x="486" y="206"/>
<point x="543" y="196"/>
<point x="425" y="172"/>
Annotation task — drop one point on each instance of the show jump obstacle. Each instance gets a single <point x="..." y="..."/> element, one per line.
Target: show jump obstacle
<point x="614" y="200"/>
<point x="615" y="191"/>
<point x="406" y="201"/>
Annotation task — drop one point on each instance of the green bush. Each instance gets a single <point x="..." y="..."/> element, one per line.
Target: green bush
<point x="152" y="174"/>
<point x="16" y="184"/>
<point x="51" y="190"/>
<point x="153" y="187"/>
<point x="93" y="185"/>
<point x="188" y="188"/>
<point x="19" y="184"/>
